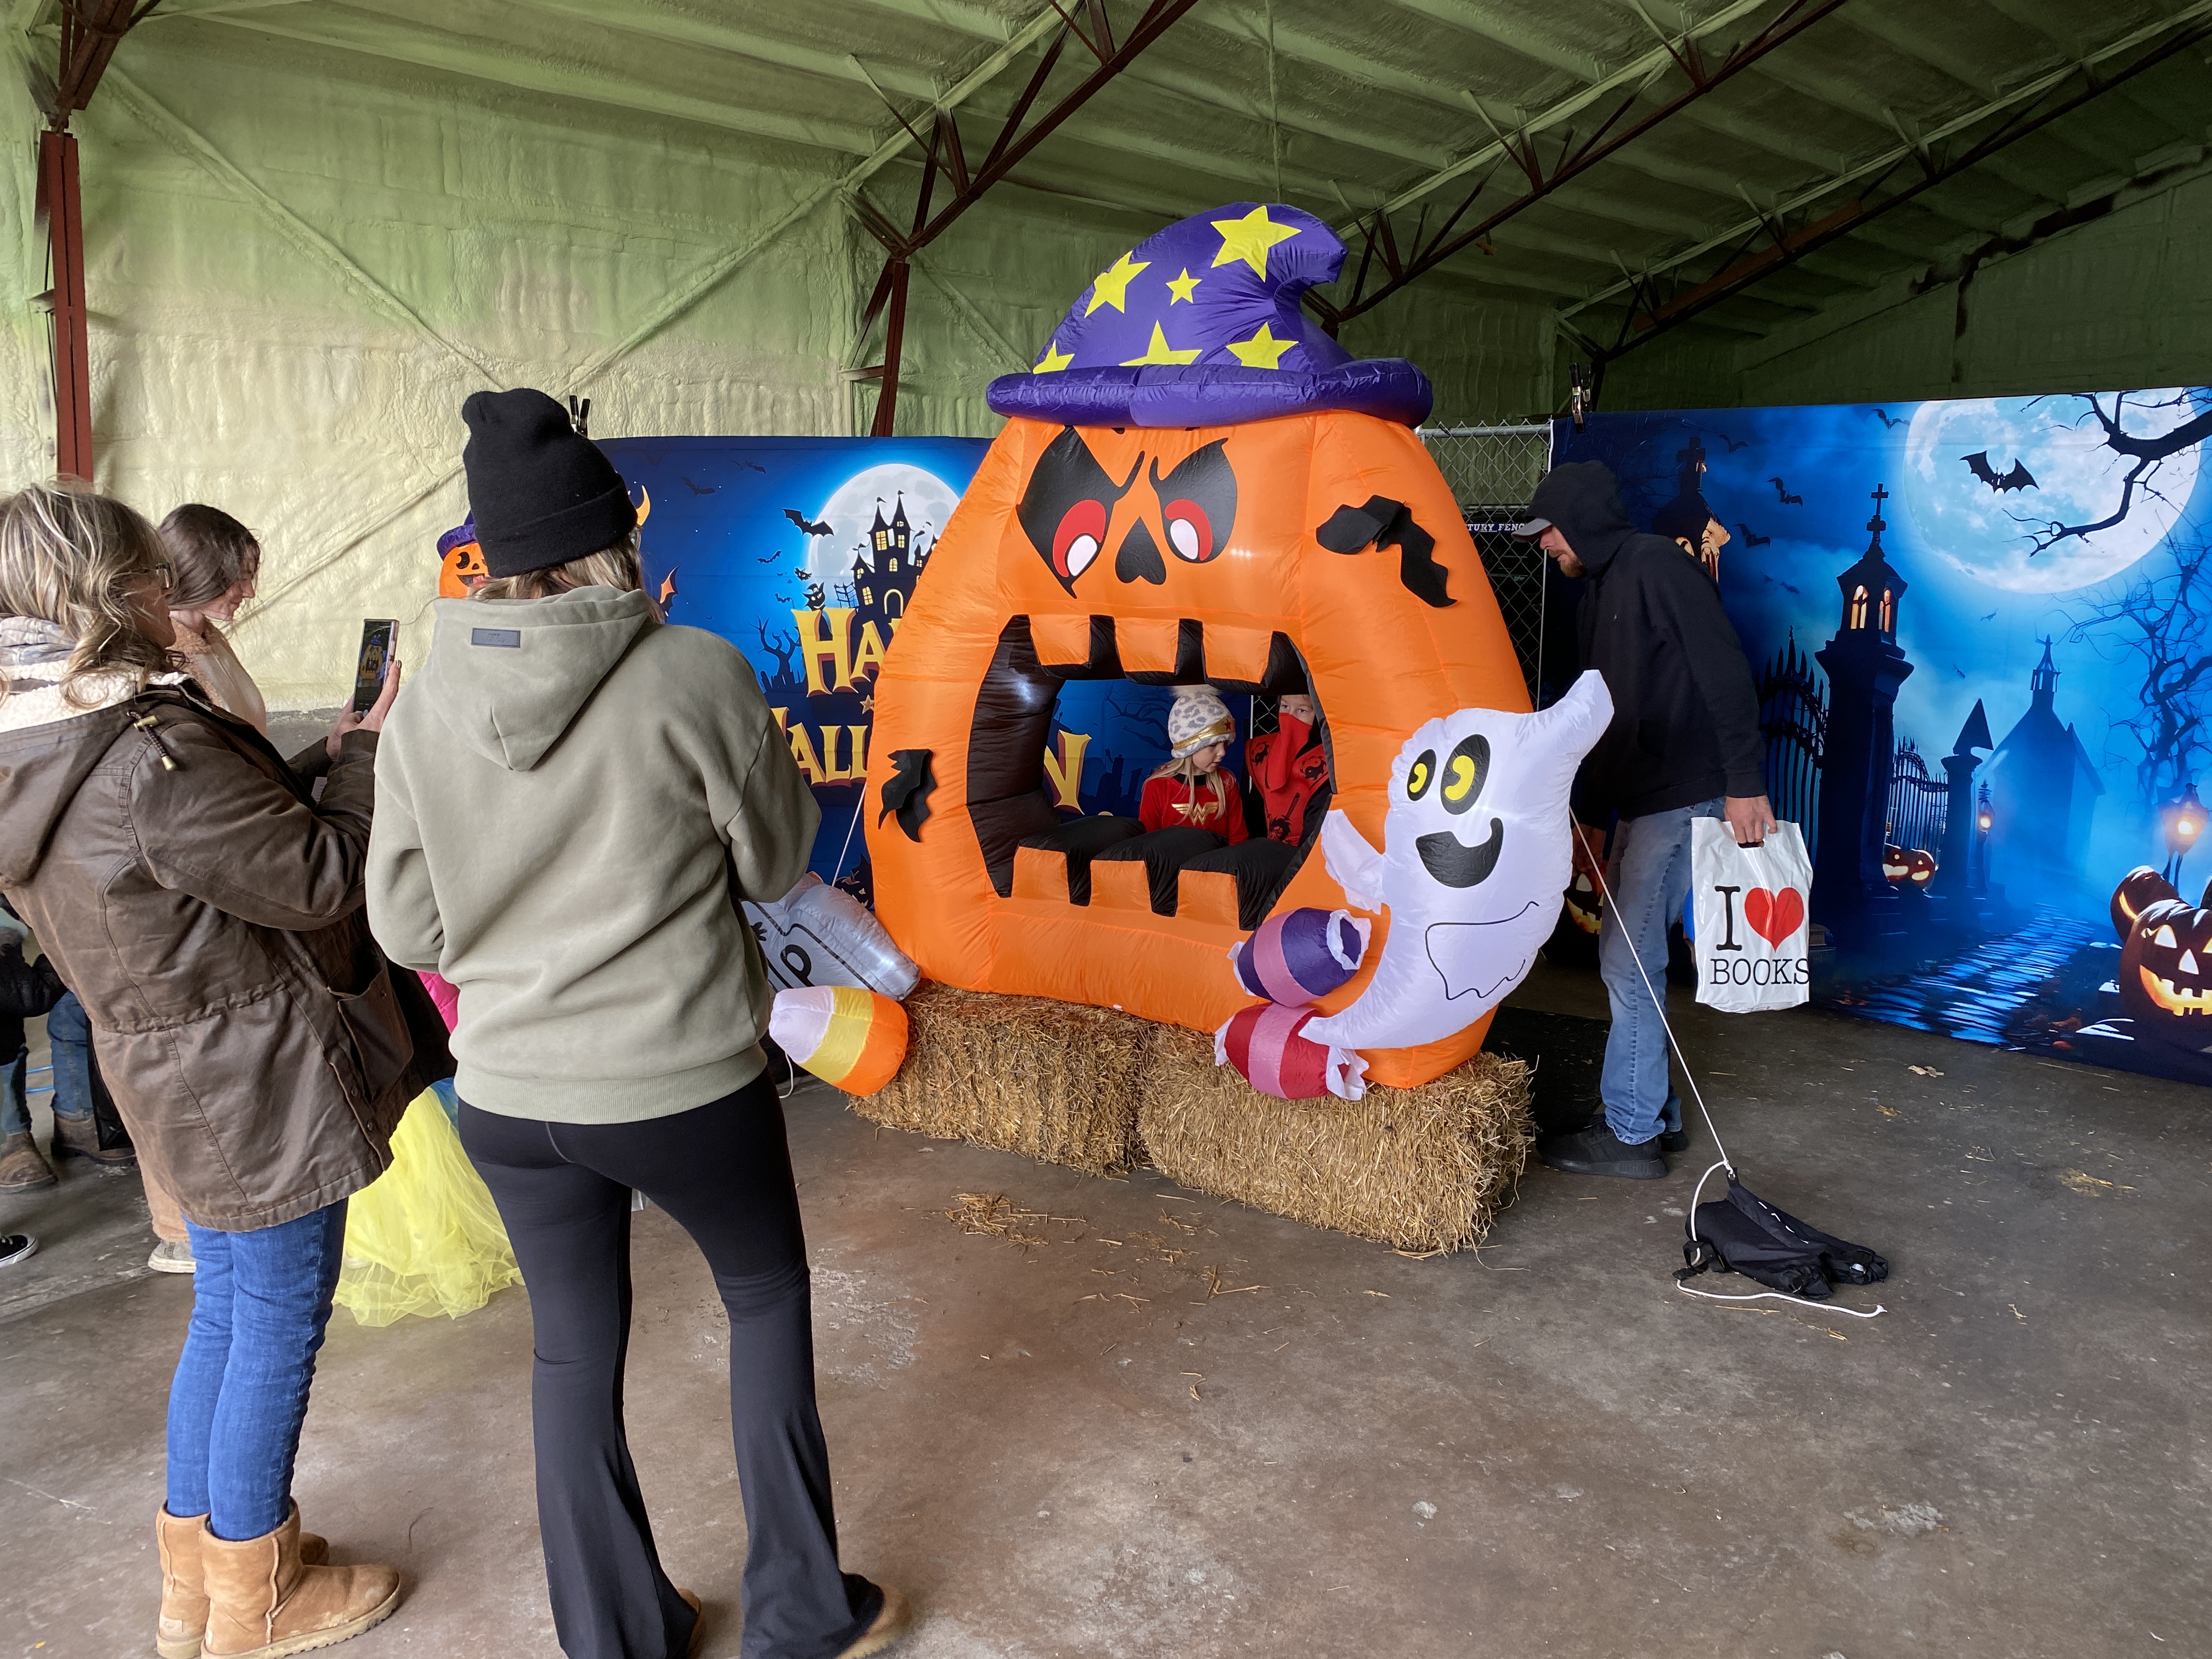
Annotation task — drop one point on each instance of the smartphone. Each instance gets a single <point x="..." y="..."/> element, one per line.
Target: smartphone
<point x="377" y="634"/>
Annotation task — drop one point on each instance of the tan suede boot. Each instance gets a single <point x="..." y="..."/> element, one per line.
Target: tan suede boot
<point x="79" y="1137"/>
<point x="264" y="1602"/>
<point x="184" y="1592"/>
<point x="891" y="1626"/>
<point x="22" y="1169"/>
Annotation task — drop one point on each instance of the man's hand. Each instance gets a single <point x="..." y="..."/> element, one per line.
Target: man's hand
<point x="1750" y="818"/>
<point x="372" y="720"/>
<point x="1587" y="843"/>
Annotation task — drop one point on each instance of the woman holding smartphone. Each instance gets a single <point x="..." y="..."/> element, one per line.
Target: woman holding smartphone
<point x="564" y="743"/>
<point x="207" y="910"/>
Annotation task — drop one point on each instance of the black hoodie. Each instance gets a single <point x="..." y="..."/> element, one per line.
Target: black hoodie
<point x="1686" y="718"/>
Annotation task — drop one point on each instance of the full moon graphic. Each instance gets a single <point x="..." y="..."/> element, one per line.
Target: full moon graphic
<point x="851" y="513"/>
<point x="1989" y="534"/>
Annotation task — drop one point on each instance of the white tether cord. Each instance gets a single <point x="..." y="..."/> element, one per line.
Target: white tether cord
<point x="1688" y="1077"/>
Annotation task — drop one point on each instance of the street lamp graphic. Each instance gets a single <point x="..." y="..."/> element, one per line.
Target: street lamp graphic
<point x="1983" y="819"/>
<point x="2182" y="820"/>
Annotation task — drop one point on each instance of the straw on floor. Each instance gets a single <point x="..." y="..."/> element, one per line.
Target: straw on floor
<point x="1022" y="1074"/>
<point x="1423" y="1169"/>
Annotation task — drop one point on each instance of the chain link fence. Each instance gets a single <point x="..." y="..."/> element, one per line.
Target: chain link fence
<point x="1492" y="471"/>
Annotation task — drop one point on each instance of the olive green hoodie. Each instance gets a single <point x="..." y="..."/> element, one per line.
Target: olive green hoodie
<point x="570" y="800"/>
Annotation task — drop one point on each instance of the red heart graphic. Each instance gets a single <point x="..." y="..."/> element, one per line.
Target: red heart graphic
<point x="1774" y="916"/>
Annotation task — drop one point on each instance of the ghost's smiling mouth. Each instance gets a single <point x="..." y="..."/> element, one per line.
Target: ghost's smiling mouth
<point x="1456" y="865"/>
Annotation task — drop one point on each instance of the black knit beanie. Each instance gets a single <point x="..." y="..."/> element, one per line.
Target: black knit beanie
<point x="541" y="493"/>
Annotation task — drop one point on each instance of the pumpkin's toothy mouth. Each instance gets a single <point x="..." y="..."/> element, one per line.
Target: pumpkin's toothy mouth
<point x="2162" y="991"/>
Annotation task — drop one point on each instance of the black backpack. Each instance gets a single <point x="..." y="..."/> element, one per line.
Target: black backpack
<point x="1740" y="1232"/>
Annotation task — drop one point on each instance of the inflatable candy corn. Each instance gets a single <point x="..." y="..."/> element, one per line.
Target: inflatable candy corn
<point x="852" y="1039"/>
<point x="1300" y="956"/>
<point x="1266" y="1044"/>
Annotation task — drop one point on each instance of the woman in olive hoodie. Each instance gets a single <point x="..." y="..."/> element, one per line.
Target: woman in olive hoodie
<point x="206" y="909"/>
<point x="571" y="801"/>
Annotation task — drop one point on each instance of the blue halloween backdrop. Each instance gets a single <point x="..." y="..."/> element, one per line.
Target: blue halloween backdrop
<point x="1982" y="633"/>
<point x="802" y="553"/>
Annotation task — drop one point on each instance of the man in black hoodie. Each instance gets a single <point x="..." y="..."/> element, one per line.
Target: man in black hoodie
<point x="1685" y="744"/>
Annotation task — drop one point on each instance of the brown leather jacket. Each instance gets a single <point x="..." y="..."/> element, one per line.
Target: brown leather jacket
<point x="207" y="911"/>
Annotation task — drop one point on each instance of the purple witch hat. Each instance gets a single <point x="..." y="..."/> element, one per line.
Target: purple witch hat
<point x="1198" y="325"/>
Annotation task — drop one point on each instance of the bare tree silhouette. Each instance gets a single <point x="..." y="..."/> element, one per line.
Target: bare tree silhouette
<point x="783" y="646"/>
<point x="2149" y="453"/>
<point x="2165" y="622"/>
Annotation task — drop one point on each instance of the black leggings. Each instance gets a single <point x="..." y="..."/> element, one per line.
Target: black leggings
<point x="723" y="1172"/>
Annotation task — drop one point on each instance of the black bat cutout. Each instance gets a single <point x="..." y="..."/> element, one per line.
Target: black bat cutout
<point x="1750" y="540"/>
<point x="1788" y="500"/>
<point x="1384" y="523"/>
<point x="906" y="791"/>
<point x="2018" y="478"/>
<point x="700" y="489"/>
<point x="811" y="526"/>
<point x="1886" y="418"/>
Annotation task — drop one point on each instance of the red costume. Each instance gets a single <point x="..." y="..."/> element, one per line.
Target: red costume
<point x="1289" y="767"/>
<point x="1211" y="802"/>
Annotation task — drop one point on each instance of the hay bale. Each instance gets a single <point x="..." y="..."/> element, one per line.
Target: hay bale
<point x="1422" y="1169"/>
<point x="1022" y="1075"/>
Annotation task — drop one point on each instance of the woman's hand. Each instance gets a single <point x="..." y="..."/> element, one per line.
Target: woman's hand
<point x="373" y="720"/>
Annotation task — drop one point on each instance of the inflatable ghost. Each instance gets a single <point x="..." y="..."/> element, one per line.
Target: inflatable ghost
<point x="1476" y="853"/>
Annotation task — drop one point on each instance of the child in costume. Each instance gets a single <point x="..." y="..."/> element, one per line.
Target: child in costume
<point x="1291" y="785"/>
<point x="1194" y="790"/>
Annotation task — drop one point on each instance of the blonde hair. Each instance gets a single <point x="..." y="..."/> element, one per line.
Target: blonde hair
<point x="615" y="566"/>
<point x="67" y="557"/>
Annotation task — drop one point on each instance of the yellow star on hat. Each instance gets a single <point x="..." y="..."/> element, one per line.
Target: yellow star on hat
<point x="1183" y="287"/>
<point x="1054" y="358"/>
<point x="1262" y="350"/>
<point x="1112" y="286"/>
<point x="1249" y="238"/>
<point x="1160" y="353"/>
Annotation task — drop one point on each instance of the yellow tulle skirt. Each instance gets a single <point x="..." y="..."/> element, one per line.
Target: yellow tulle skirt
<point x="423" y="1237"/>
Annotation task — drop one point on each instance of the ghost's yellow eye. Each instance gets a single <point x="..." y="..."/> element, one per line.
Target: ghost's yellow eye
<point x="1465" y="769"/>
<point x="1423" y="772"/>
<point x="1462" y="778"/>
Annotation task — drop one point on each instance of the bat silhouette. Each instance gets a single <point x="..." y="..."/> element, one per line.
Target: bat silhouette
<point x="2018" y="478"/>
<point x="1888" y="419"/>
<point x="1733" y="444"/>
<point x="1960" y="671"/>
<point x="1773" y="582"/>
<point x="1990" y="617"/>
<point x="1750" y="540"/>
<point x="1788" y="500"/>
<point x="806" y="523"/>
<point x="700" y="489"/>
<point x="769" y="558"/>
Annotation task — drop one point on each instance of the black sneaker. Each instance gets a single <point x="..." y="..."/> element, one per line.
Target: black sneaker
<point x="1676" y="1140"/>
<point x="1597" y="1151"/>
<point x="15" y="1247"/>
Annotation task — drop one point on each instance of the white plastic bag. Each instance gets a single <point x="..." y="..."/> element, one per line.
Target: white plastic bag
<point x="816" y="934"/>
<point x="1749" y="906"/>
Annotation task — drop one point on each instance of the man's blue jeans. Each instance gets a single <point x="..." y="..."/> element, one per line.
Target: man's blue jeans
<point x="1647" y="878"/>
<point x="260" y="1301"/>
<point x="69" y="1038"/>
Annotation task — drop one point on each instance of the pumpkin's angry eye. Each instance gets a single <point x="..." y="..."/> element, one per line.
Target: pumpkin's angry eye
<point x="1465" y="773"/>
<point x="2167" y="938"/>
<point x="1422" y="775"/>
<point x="1198" y="502"/>
<point x="1064" y="509"/>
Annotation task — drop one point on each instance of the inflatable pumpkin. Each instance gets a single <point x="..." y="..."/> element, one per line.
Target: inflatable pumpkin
<point x="1194" y="484"/>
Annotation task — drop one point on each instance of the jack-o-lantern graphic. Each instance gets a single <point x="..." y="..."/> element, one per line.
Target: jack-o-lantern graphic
<point x="2165" y="960"/>
<point x="1919" y="868"/>
<point x="1896" y="866"/>
<point x="1299" y="539"/>
<point x="461" y="569"/>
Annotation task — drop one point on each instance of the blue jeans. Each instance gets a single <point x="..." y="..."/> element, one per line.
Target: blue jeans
<point x="1647" y="879"/>
<point x="68" y="1037"/>
<point x="14" y="1105"/>
<point x="260" y="1301"/>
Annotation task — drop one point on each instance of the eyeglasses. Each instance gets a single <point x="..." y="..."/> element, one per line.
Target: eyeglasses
<point x="163" y="573"/>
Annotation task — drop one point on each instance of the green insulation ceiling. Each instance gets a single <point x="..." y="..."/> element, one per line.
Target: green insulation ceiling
<point x="1348" y="105"/>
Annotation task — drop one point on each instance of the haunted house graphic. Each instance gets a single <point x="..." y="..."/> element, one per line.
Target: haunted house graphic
<point x="885" y="569"/>
<point x="2043" y="793"/>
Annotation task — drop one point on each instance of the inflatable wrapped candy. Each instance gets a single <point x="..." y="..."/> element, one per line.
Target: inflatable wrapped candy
<point x="1300" y="956"/>
<point x="851" y="1038"/>
<point x="1268" y="1045"/>
<point x="816" y="934"/>
<point x="1474" y="860"/>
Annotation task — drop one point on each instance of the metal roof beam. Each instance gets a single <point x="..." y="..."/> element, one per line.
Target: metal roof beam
<point x="1763" y="247"/>
<point x="1610" y="135"/>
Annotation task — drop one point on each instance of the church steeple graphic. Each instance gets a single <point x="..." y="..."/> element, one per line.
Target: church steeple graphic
<point x="2043" y="683"/>
<point x="1871" y="589"/>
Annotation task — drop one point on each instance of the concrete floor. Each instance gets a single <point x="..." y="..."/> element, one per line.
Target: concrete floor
<point x="1070" y="1448"/>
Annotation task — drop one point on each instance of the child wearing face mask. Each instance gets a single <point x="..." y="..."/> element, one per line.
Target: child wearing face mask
<point x="1291" y="784"/>
<point x="1194" y="790"/>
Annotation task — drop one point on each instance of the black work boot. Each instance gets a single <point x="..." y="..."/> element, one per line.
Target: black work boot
<point x="1595" y="1150"/>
